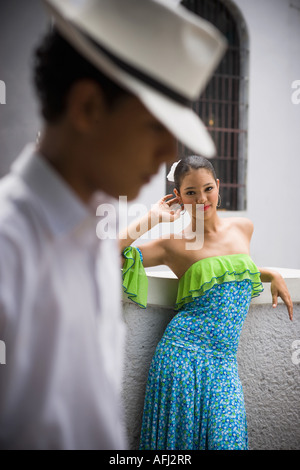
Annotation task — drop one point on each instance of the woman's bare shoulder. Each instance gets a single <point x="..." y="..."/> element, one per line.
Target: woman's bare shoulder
<point x="243" y="224"/>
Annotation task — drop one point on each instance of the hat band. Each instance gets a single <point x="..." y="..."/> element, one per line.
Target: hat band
<point x="147" y="79"/>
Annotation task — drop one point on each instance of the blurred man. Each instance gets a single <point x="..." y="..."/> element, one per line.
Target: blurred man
<point x="115" y="81"/>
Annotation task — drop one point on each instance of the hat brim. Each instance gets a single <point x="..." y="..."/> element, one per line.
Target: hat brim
<point x="179" y="119"/>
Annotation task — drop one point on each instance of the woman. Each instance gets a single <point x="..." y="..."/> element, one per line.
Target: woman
<point x="194" y="398"/>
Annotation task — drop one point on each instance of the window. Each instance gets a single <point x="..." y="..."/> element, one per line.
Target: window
<point x="223" y="104"/>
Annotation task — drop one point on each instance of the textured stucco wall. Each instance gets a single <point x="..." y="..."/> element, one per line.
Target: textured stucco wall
<point x="271" y="381"/>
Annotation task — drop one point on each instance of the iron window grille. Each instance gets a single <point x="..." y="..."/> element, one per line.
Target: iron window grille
<point x="223" y="104"/>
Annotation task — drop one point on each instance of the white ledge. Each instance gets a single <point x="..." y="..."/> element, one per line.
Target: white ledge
<point x="162" y="288"/>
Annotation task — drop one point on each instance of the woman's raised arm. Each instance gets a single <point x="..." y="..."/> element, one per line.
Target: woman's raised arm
<point x="162" y="211"/>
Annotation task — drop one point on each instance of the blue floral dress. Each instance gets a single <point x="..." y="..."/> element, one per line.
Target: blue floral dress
<point x="194" y="397"/>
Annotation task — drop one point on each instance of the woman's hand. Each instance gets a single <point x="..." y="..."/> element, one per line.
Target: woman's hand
<point x="279" y="289"/>
<point x="165" y="209"/>
<point x="162" y="211"/>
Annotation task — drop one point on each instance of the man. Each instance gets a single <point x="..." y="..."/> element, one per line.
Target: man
<point x="115" y="93"/>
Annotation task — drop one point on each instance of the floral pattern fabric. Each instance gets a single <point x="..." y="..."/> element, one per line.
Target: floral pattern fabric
<point x="194" y="397"/>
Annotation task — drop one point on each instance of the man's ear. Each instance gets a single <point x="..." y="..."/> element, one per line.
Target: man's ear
<point x="85" y="106"/>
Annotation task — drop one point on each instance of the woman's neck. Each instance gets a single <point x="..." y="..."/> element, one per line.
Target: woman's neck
<point x="200" y="224"/>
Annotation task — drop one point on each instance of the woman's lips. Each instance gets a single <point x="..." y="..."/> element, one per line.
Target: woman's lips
<point x="203" y="208"/>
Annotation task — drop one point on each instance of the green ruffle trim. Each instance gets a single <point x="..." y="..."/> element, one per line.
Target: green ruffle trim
<point x="135" y="281"/>
<point x="206" y="273"/>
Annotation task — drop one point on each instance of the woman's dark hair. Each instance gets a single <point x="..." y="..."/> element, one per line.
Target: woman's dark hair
<point x="57" y="66"/>
<point x="193" y="162"/>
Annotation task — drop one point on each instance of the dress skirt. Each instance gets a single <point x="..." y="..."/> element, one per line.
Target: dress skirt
<point x="194" y="397"/>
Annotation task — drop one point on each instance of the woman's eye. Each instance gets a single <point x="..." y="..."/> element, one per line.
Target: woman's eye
<point x="190" y="193"/>
<point x="209" y="188"/>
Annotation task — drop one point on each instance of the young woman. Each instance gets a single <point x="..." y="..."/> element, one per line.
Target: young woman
<point x="194" y="398"/>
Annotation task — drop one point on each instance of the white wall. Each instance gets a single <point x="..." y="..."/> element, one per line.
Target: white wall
<point x="274" y="125"/>
<point x="21" y="26"/>
<point x="273" y="174"/>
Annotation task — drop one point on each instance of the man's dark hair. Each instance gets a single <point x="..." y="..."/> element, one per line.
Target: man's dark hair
<point x="57" y="66"/>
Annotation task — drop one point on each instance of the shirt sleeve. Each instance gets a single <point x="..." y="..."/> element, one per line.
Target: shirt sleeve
<point x="135" y="281"/>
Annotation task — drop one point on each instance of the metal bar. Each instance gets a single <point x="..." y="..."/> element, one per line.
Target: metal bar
<point x="234" y="76"/>
<point x="225" y="129"/>
<point x="231" y="185"/>
<point x="204" y="100"/>
<point x="227" y="158"/>
<point x="229" y="110"/>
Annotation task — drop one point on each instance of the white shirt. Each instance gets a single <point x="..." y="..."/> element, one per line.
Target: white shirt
<point x="60" y="316"/>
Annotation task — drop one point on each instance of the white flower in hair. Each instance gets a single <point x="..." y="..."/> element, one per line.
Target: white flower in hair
<point x="170" y="175"/>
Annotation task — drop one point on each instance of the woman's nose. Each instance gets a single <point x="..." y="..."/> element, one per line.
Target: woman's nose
<point x="201" y="199"/>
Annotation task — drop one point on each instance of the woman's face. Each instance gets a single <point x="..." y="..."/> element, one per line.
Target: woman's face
<point x="199" y="193"/>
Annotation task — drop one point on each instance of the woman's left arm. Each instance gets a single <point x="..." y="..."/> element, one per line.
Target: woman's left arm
<point x="278" y="288"/>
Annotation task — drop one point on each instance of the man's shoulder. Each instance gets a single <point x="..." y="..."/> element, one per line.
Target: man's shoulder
<point x="15" y="212"/>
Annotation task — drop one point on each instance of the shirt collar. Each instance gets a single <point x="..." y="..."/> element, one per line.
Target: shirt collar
<point x="61" y="207"/>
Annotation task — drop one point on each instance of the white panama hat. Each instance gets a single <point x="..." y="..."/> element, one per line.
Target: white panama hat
<point x="156" y="49"/>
